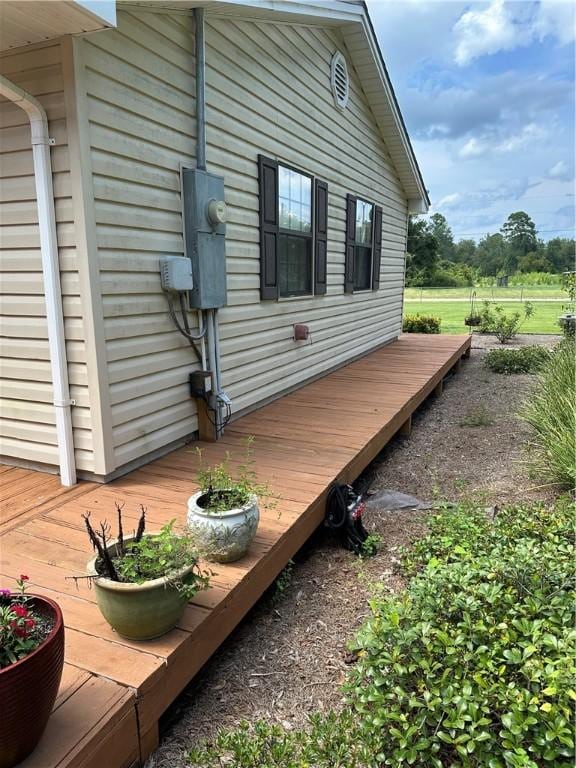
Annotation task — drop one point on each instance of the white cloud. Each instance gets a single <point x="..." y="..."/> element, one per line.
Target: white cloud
<point x="557" y="19"/>
<point x="529" y="134"/>
<point x="473" y="148"/>
<point x="504" y="26"/>
<point x="486" y="31"/>
<point x="561" y="171"/>
<point x="477" y="147"/>
<point x="449" y="201"/>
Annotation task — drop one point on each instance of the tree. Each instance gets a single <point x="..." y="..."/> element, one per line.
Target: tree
<point x="465" y="252"/>
<point x="422" y="253"/>
<point x="519" y="232"/>
<point x="561" y="253"/>
<point x="534" y="262"/>
<point x="491" y="254"/>
<point x="443" y="234"/>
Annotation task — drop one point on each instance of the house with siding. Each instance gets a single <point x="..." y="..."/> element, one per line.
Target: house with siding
<point x="262" y="144"/>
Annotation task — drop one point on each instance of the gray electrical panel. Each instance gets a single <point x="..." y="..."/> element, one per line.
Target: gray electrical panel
<point x="205" y="234"/>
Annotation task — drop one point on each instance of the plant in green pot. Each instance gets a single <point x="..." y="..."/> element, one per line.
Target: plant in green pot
<point x="223" y="515"/>
<point x="31" y="662"/>
<point x="143" y="581"/>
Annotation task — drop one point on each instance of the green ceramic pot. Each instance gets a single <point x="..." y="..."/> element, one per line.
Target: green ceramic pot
<point x="139" y="611"/>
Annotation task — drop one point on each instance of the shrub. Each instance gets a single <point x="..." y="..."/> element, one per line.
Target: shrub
<point x="534" y="278"/>
<point x="421" y="324"/>
<point x="551" y="412"/>
<point x="568" y="321"/>
<point x="473" y="666"/>
<point x="494" y="319"/>
<point x="524" y="360"/>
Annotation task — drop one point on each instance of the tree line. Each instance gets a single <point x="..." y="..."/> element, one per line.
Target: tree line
<point x="434" y="258"/>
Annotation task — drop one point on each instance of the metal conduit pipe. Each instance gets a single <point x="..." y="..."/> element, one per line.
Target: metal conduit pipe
<point x="212" y="335"/>
<point x="51" y="273"/>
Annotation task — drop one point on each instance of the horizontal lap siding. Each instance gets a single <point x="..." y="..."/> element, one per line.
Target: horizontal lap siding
<point x="268" y="91"/>
<point x="139" y="81"/>
<point x="27" y="422"/>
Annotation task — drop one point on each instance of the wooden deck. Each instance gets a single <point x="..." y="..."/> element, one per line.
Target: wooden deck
<point x="114" y="691"/>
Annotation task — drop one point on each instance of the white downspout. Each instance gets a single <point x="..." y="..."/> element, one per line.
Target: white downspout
<point x="51" y="271"/>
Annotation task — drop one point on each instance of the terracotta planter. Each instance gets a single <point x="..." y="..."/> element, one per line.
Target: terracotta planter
<point x="139" y="611"/>
<point x="28" y="690"/>
<point x="222" y="537"/>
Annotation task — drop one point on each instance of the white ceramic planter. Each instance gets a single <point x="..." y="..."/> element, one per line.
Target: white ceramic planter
<point x="223" y="537"/>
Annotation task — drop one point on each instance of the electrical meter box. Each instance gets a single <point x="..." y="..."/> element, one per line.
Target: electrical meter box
<point x="205" y="236"/>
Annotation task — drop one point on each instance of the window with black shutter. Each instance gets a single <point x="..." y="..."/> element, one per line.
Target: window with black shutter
<point x="293" y="231"/>
<point x="363" y="245"/>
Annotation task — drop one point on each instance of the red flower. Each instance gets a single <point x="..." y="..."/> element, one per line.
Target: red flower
<point x="18" y="631"/>
<point x="29" y="623"/>
<point x="20" y="611"/>
<point x="23" y="577"/>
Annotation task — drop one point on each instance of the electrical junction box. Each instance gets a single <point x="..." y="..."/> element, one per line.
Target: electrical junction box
<point x="204" y="213"/>
<point x="176" y="273"/>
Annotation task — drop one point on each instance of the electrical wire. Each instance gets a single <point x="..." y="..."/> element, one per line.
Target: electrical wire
<point x="185" y="329"/>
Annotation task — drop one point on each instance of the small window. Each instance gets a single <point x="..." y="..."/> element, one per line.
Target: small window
<point x="363" y="246"/>
<point x="293" y="231"/>
<point x="363" y="250"/>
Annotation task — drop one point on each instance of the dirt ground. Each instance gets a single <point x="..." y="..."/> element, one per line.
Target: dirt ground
<point x="290" y="654"/>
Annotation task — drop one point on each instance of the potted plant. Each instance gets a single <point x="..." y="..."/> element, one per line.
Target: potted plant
<point x="472" y="320"/>
<point x="223" y="515"/>
<point x="31" y="662"/>
<point x="143" y="581"/>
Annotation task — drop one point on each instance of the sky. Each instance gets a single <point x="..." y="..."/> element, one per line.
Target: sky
<point x="487" y="93"/>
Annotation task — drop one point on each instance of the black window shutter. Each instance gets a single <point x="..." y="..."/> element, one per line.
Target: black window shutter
<point x="377" y="248"/>
<point x="268" y="182"/>
<point x="320" y="235"/>
<point x="350" y="242"/>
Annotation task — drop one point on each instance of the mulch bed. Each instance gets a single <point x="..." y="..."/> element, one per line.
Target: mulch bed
<point x="289" y="656"/>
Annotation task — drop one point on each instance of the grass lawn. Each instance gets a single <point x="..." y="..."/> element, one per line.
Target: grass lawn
<point x="452" y="313"/>
<point x="514" y="293"/>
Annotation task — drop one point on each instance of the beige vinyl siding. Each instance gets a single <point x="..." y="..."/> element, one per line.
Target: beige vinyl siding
<point x="27" y="423"/>
<point x="269" y="92"/>
<point x="139" y="81"/>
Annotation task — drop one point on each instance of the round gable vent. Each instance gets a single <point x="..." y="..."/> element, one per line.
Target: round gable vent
<point x="339" y="80"/>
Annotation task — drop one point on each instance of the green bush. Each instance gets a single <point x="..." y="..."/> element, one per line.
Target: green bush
<point x="524" y="360"/>
<point x="421" y="324"/>
<point x="504" y="325"/>
<point x="473" y="666"/>
<point x="534" y="278"/>
<point x="551" y="412"/>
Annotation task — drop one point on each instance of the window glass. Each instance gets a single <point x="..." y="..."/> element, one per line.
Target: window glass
<point x="364" y="213"/>
<point x="362" y="268"/>
<point x="294" y="200"/>
<point x="294" y="265"/>
<point x="363" y="249"/>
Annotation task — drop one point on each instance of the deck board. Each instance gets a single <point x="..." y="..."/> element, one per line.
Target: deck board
<point x="114" y="690"/>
